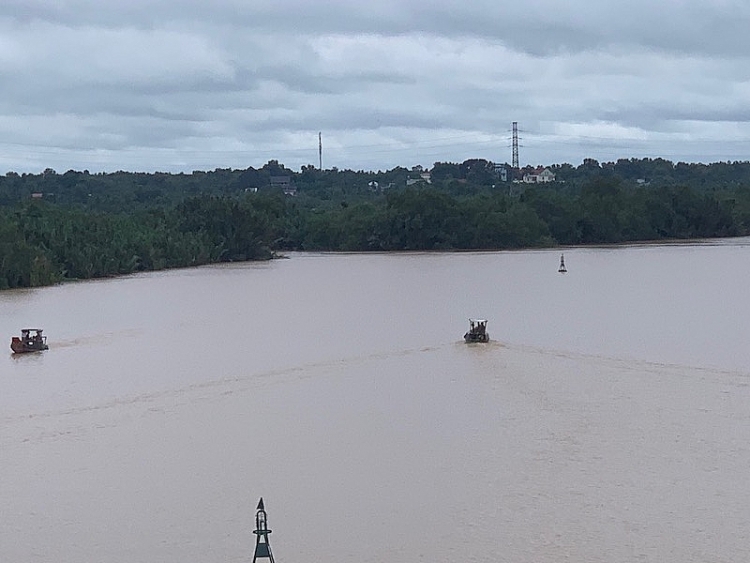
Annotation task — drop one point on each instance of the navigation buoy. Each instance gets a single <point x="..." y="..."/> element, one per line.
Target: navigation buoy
<point x="262" y="547"/>
<point x="562" y="269"/>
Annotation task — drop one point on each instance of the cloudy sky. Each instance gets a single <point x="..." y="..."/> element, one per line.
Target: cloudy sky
<point x="182" y="85"/>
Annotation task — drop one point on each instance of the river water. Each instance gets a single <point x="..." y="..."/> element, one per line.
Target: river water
<point x="607" y="421"/>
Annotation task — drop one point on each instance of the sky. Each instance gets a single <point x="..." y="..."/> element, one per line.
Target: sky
<point x="183" y="85"/>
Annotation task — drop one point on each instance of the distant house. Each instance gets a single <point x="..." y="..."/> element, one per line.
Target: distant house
<point x="280" y="181"/>
<point x="546" y="175"/>
<point x="502" y="172"/>
<point x="284" y="183"/>
<point x="538" y="175"/>
<point x="37" y="195"/>
<point x="424" y="178"/>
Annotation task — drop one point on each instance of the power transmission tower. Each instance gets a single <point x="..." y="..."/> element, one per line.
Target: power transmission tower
<point x="320" y="151"/>
<point x="514" y="162"/>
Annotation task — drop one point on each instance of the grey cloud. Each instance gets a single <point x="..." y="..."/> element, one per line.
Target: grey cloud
<point x="534" y="26"/>
<point x="190" y="82"/>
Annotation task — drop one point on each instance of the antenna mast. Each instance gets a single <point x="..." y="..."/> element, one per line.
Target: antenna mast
<point x="514" y="163"/>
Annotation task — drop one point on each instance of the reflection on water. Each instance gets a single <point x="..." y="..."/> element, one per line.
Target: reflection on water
<point x="607" y="421"/>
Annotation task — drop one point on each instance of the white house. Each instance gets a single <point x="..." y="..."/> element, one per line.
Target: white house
<point x="502" y="172"/>
<point x="538" y="175"/>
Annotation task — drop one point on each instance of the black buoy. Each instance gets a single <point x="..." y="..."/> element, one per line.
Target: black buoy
<point x="262" y="547"/>
<point x="562" y="269"/>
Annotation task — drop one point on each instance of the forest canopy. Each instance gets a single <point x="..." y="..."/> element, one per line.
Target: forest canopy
<point x="77" y="225"/>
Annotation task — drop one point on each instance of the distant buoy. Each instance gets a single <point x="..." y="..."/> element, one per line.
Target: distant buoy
<point x="562" y="269"/>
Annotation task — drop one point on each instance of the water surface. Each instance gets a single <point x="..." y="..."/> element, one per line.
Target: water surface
<point x="607" y="421"/>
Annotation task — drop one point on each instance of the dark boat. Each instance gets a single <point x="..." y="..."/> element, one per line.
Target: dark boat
<point x="562" y="269"/>
<point x="477" y="331"/>
<point x="31" y="340"/>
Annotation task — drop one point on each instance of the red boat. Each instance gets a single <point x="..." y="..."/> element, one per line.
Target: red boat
<point x="31" y="340"/>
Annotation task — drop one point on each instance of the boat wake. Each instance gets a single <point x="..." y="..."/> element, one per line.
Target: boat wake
<point x="95" y="339"/>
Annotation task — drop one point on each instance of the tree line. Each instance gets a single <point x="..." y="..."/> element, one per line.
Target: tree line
<point x="57" y="227"/>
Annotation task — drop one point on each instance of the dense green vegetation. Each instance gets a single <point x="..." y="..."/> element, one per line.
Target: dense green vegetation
<point x="55" y="227"/>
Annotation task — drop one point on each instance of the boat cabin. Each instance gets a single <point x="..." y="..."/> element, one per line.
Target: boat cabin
<point x="31" y="340"/>
<point x="477" y="331"/>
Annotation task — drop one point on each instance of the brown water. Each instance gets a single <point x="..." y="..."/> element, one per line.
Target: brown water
<point x="608" y="421"/>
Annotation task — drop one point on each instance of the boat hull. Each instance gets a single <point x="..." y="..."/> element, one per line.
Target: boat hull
<point x="20" y="346"/>
<point x="469" y="337"/>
